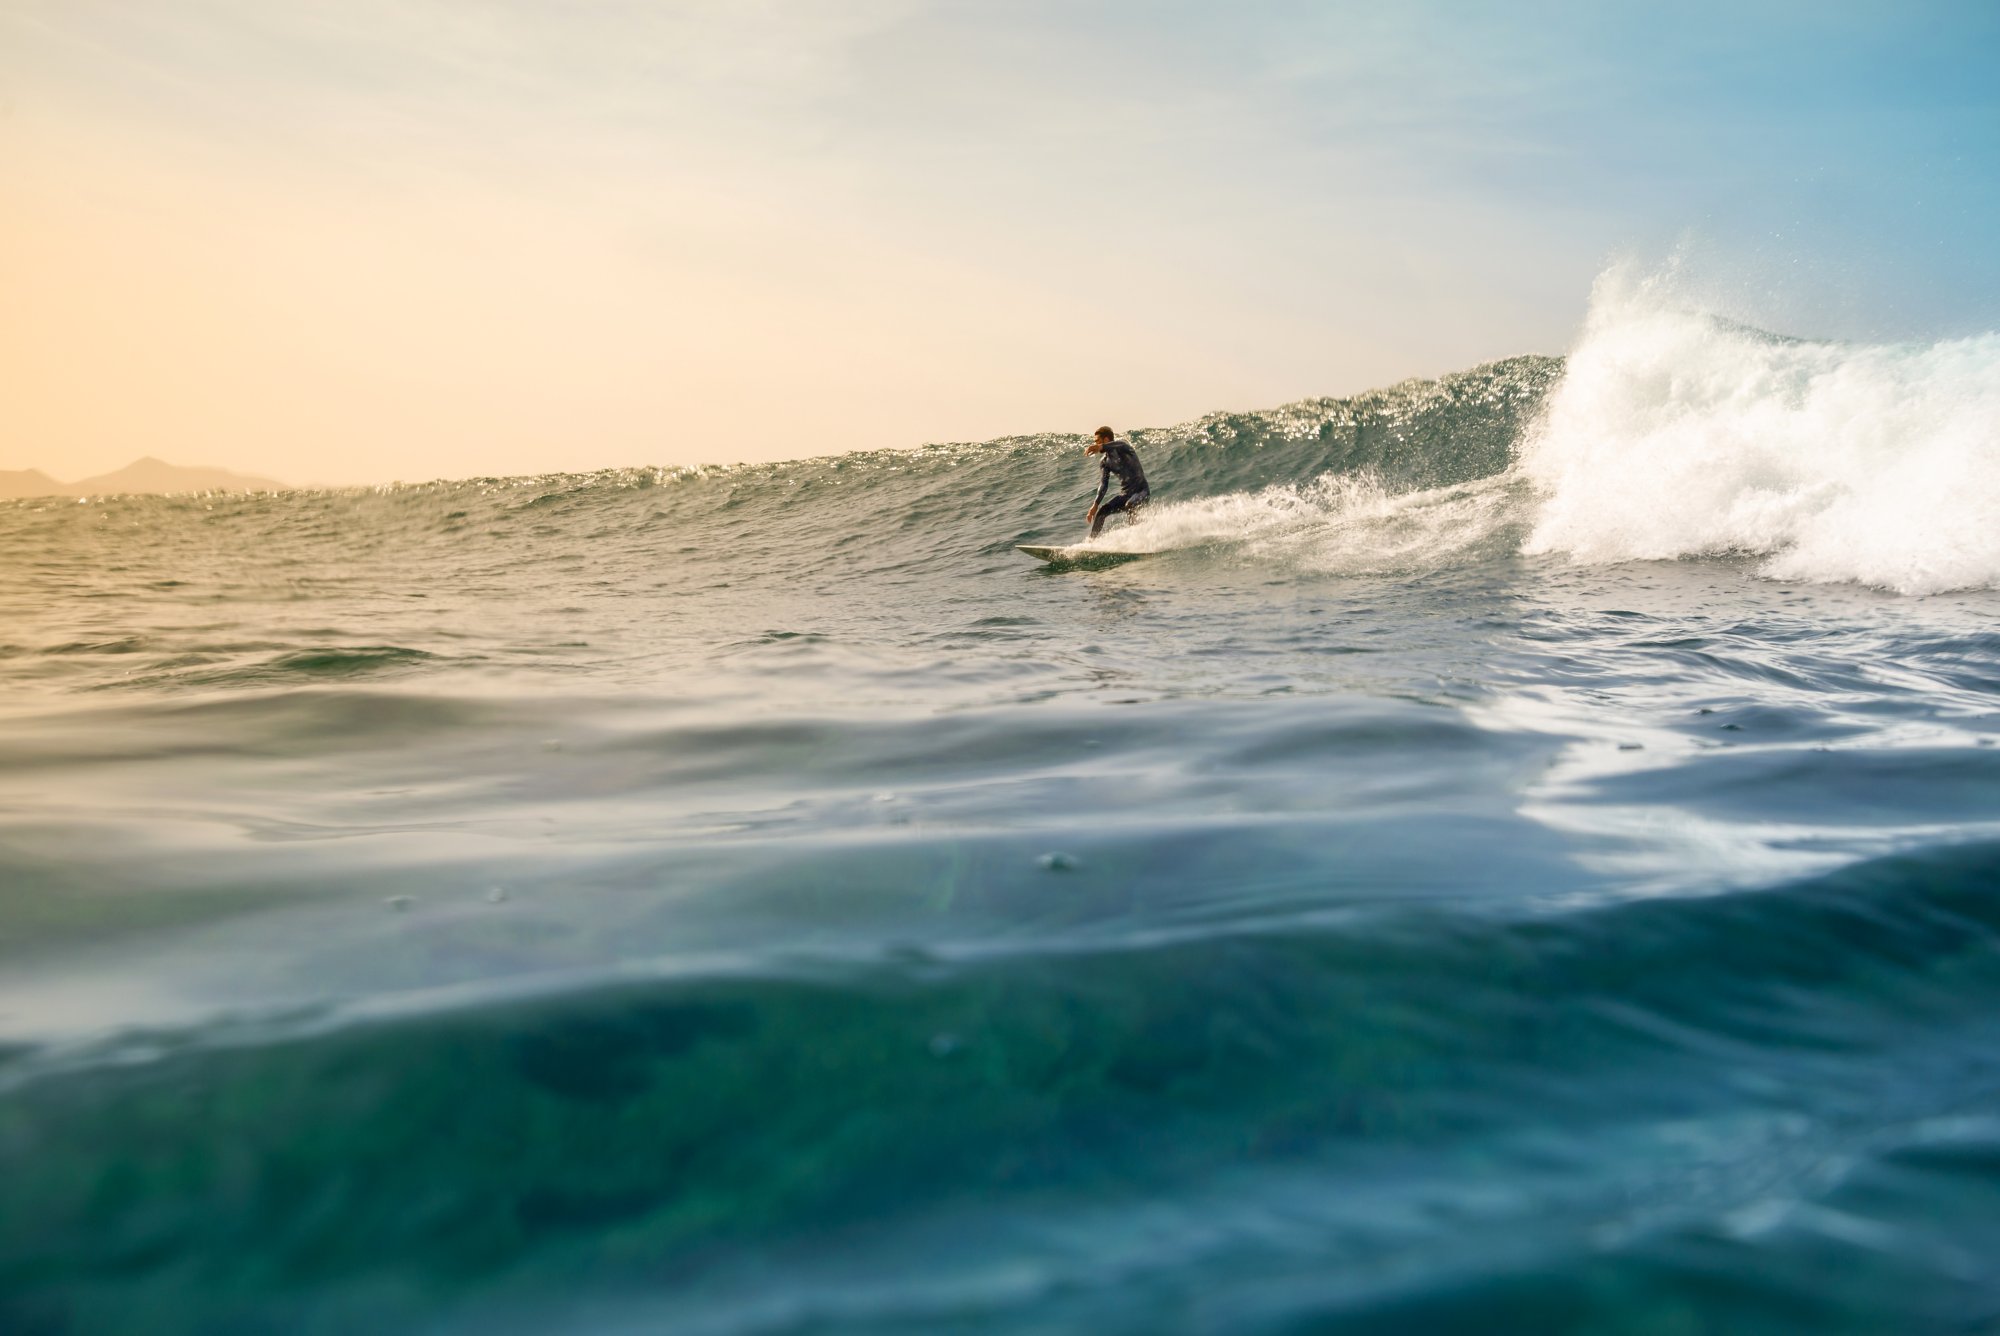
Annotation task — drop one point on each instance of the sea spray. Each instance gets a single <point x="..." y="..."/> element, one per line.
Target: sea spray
<point x="1338" y="524"/>
<point x="1675" y="433"/>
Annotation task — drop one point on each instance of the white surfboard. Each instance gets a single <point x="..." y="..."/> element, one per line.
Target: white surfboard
<point x="1080" y="557"/>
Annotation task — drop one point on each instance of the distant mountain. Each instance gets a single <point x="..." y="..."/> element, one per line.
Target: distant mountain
<point x="144" y="475"/>
<point x="29" y="482"/>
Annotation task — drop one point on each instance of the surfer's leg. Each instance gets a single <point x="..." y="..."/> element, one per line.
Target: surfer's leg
<point x="1106" y="511"/>
<point x="1127" y="502"/>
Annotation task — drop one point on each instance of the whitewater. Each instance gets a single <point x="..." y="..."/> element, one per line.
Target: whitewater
<point x="1521" y="852"/>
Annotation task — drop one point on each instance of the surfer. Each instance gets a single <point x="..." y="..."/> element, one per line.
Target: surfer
<point x="1123" y="460"/>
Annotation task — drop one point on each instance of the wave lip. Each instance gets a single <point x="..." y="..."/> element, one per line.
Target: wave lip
<point x="1675" y="433"/>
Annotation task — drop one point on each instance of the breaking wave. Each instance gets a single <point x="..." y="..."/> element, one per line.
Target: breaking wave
<point x="1675" y="433"/>
<point x="1668" y="432"/>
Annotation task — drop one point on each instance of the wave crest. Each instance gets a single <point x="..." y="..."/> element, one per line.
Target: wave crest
<point x="1675" y="433"/>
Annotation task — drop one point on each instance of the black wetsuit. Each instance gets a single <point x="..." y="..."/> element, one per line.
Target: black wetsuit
<point x="1123" y="460"/>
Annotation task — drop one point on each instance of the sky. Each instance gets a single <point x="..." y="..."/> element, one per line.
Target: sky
<point x="355" y="241"/>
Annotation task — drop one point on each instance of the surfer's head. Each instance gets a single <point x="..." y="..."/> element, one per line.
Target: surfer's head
<point x="1104" y="436"/>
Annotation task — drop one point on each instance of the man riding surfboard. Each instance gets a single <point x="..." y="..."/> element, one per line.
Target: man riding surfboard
<point x="1123" y="460"/>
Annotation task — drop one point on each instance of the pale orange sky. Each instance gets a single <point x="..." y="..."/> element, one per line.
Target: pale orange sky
<point x="363" y="240"/>
<point x="351" y="243"/>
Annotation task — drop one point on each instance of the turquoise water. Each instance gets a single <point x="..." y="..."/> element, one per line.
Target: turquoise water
<point x="1519" y="852"/>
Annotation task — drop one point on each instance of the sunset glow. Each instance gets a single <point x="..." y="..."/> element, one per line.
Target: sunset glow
<point x="362" y="241"/>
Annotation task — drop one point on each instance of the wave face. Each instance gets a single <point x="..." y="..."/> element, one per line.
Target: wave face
<point x="1677" y="434"/>
<point x="1666" y="433"/>
<point x="1505" y="859"/>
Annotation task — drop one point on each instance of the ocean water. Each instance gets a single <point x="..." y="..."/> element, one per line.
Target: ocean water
<point x="1521" y="852"/>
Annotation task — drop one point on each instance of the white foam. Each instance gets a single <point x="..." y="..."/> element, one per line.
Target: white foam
<point x="1674" y="433"/>
<point x="1347" y="524"/>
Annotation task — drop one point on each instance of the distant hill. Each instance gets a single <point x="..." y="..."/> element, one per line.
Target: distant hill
<point x="29" y="482"/>
<point x="143" y="475"/>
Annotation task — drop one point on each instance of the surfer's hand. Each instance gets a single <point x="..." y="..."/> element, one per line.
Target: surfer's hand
<point x="1090" y="514"/>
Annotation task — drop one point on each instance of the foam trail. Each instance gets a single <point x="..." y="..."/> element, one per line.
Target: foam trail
<point x="1337" y="523"/>
<point x="1675" y="433"/>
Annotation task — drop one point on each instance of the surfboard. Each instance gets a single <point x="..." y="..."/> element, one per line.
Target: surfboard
<point x="1081" y="557"/>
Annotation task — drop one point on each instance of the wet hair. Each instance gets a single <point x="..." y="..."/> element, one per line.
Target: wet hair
<point x="1104" y="433"/>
